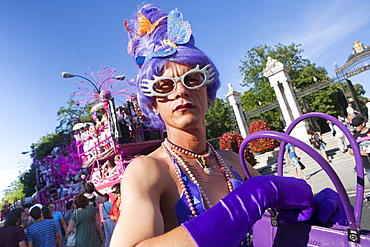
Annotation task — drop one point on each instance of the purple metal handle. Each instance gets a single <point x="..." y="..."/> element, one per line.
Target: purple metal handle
<point x="314" y="154"/>
<point x="354" y="147"/>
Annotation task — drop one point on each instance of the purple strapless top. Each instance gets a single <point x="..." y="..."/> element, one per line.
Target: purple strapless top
<point x="182" y="207"/>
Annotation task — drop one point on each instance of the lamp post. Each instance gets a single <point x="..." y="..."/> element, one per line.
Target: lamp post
<point x="98" y="89"/>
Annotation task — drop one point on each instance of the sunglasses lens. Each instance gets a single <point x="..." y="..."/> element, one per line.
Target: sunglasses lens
<point x="194" y="79"/>
<point x="163" y="86"/>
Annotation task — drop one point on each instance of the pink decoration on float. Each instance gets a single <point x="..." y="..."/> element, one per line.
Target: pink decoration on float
<point x="105" y="81"/>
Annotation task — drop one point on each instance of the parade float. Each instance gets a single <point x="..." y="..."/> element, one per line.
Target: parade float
<point x="100" y="150"/>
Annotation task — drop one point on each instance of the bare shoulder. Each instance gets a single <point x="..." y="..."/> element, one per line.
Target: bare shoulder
<point x="232" y="159"/>
<point x="146" y="170"/>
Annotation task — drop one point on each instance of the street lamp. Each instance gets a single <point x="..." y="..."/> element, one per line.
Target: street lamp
<point x="98" y="89"/>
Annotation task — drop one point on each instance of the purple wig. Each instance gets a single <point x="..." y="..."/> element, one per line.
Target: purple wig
<point x="187" y="54"/>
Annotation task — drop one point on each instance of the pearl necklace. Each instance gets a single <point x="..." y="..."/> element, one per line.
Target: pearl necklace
<point x="201" y="158"/>
<point x="175" y="157"/>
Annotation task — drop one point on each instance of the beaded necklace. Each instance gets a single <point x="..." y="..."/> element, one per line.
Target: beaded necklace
<point x="176" y="158"/>
<point x="201" y="158"/>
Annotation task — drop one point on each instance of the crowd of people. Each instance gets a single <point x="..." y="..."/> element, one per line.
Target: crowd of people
<point x="356" y="124"/>
<point x="89" y="220"/>
<point x="185" y="192"/>
<point x="95" y="139"/>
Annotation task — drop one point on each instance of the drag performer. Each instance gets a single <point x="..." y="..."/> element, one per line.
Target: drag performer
<point x="185" y="193"/>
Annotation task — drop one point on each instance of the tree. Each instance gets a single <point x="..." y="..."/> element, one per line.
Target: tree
<point x="28" y="179"/>
<point x="13" y="193"/>
<point x="219" y="119"/>
<point x="68" y="116"/>
<point x="303" y="74"/>
<point x="47" y="143"/>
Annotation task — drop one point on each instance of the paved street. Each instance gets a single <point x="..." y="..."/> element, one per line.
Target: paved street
<point x="342" y="163"/>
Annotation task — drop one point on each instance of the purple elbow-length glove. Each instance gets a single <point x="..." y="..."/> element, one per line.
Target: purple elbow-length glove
<point x="227" y="223"/>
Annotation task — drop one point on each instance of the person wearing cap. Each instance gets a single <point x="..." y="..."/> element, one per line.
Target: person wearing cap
<point x="116" y="211"/>
<point x="43" y="232"/>
<point x="362" y="137"/>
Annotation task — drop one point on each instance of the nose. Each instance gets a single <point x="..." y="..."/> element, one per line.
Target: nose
<point x="181" y="90"/>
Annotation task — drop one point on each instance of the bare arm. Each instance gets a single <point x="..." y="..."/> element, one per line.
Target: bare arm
<point x="29" y="244"/>
<point x="22" y="243"/>
<point x="287" y="156"/>
<point x="363" y="152"/>
<point x="113" y="218"/>
<point x="98" y="225"/>
<point x="141" y="222"/>
<point x="64" y="225"/>
<point x="58" y="237"/>
<point x="71" y="225"/>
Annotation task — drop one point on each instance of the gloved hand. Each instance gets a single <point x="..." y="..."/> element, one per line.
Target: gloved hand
<point x="328" y="209"/>
<point x="227" y="223"/>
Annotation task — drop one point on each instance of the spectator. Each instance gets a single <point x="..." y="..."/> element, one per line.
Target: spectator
<point x="26" y="219"/>
<point x="70" y="206"/>
<point x="125" y="132"/>
<point x="93" y="200"/>
<point x="119" y="164"/>
<point x="115" y="211"/>
<point x="57" y="216"/>
<point x="111" y="169"/>
<point x="46" y="212"/>
<point x="367" y="104"/>
<point x="43" y="232"/>
<point x="12" y="233"/>
<point x="351" y="112"/>
<point x="318" y="143"/>
<point x="290" y="154"/>
<point x="108" y="224"/>
<point x="104" y="130"/>
<point x="339" y="136"/>
<point x="89" y="232"/>
<point x="362" y="137"/>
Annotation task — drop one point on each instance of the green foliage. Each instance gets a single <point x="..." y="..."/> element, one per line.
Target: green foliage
<point x="68" y="116"/>
<point x="13" y="193"/>
<point x="303" y="74"/>
<point x="28" y="179"/>
<point x="219" y="119"/>
<point x="289" y="55"/>
<point x="359" y="90"/>
<point x="45" y="145"/>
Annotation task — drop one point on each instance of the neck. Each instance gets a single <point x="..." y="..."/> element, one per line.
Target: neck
<point x="40" y="219"/>
<point x="194" y="141"/>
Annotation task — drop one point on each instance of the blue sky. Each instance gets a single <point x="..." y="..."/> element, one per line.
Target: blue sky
<point x="41" y="39"/>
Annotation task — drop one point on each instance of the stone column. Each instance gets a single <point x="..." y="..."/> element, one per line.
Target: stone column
<point x="235" y="102"/>
<point x="278" y="75"/>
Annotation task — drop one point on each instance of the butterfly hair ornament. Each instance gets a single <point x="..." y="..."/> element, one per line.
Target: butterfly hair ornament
<point x="178" y="33"/>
